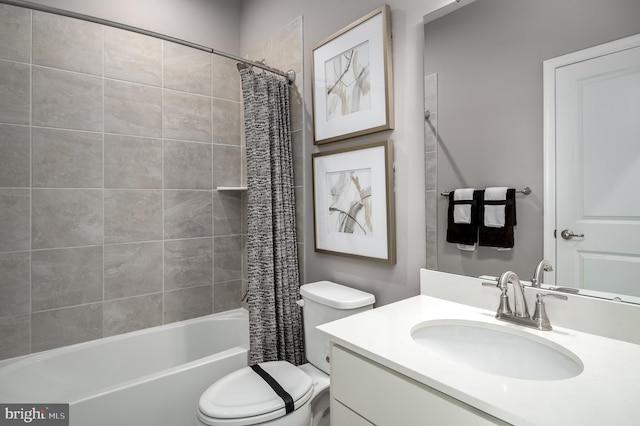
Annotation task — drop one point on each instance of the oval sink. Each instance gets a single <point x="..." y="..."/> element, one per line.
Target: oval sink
<point x="497" y="350"/>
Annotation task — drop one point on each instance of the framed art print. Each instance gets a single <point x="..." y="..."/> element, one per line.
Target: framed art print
<point x="352" y="80"/>
<point x="354" y="203"/>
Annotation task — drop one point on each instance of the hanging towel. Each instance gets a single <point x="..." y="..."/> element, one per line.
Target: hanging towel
<point x="494" y="214"/>
<point x="462" y="212"/>
<point x="459" y="231"/>
<point x="497" y="218"/>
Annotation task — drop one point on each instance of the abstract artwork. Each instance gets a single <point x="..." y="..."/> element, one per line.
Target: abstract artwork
<point x="352" y="80"/>
<point x="350" y="202"/>
<point x="348" y="82"/>
<point x="354" y="203"/>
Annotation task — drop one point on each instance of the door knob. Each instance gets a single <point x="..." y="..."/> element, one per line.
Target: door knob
<point x="567" y="234"/>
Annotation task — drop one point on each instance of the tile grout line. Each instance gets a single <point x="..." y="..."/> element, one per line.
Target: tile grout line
<point x="103" y="183"/>
<point x="162" y="138"/>
<point x="30" y="181"/>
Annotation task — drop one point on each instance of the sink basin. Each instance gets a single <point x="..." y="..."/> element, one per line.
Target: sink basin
<point x="497" y="350"/>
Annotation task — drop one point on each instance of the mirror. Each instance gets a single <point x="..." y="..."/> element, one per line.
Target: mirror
<point x="484" y="91"/>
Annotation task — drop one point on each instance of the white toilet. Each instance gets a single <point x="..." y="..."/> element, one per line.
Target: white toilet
<point x="244" y="397"/>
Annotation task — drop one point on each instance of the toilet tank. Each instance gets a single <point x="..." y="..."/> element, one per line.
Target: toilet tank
<point x="323" y="302"/>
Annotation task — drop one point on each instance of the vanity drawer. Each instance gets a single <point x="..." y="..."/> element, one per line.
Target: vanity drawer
<point x="341" y="415"/>
<point x="387" y="398"/>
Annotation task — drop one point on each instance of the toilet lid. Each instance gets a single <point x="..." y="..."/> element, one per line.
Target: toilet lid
<point x="244" y="393"/>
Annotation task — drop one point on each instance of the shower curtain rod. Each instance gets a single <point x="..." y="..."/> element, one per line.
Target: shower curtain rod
<point x="290" y="75"/>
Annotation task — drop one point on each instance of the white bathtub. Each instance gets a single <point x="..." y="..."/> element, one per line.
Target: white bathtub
<point x="148" y="377"/>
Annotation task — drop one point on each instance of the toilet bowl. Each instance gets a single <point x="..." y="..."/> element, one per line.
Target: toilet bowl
<point x="245" y="397"/>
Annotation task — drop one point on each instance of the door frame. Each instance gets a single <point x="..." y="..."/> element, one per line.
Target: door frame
<point x="549" y="68"/>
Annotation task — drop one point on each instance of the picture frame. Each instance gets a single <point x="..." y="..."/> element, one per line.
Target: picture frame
<point x="352" y="79"/>
<point x="353" y="202"/>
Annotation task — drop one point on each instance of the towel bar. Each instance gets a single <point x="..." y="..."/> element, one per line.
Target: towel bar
<point x="526" y="191"/>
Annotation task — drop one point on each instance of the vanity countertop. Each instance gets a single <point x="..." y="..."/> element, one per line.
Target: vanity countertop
<point x="606" y="392"/>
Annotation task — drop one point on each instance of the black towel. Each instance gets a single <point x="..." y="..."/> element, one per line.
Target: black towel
<point x="463" y="233"/>
<point x="498" y="237"/>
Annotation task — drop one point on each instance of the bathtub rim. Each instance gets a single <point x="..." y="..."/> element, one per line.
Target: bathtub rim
<point x="239" y="313"/>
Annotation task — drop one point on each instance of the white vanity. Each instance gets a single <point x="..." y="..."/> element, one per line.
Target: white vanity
<point x="426" y="360"/>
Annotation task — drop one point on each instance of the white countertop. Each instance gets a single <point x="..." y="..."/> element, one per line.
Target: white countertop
<point x="606" y="392"/>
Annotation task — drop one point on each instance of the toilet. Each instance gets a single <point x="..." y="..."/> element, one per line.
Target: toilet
<point x="244" y="397"/>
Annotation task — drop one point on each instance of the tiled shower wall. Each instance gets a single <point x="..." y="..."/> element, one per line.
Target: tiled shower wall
<point x="283" y="50"/>
<point x="112" y="145"/>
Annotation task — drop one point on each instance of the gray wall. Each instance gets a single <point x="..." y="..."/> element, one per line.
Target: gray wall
<point x="212" y="23"/>
<point x="322" y="19"/>
<point x="488" y="57"/>
<point x="111" y="147"/>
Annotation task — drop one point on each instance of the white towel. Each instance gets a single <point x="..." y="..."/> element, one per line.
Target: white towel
<point x="467" y="247"/>
<point x="494" y="215"/>
<point x="462" y="212"/>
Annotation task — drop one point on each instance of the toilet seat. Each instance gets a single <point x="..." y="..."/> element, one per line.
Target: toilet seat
<point x="244" y="398"/>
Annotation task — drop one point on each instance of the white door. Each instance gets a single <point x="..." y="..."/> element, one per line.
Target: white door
<point x="598" y="173"/>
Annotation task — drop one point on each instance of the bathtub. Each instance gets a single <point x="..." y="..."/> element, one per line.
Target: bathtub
<point x="148" y="377"/>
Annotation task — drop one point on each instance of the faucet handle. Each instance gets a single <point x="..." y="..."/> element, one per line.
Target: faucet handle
<point x="540" y="297"/>
<point x="503" y="308"/>
<point x="540" y="315"/>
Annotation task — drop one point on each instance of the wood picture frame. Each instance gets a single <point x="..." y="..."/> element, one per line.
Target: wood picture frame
<point x="352" y="79"/>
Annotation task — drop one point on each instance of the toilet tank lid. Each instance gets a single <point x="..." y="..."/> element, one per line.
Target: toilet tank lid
<point x="336" y="295"/>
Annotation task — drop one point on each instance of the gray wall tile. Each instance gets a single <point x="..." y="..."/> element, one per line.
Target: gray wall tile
<point x="132" y="269"/>
<point x="186" y="116"/>
<point x="187" y="303"/>
<point x="188" y="263"/>
<point x="132" y="215"/>
<point x="296" y="104"/>
<point x="14" y="284"/>
<point x="14" y="92"/>
<point x="66" y="100"/>
<point x="86" y="195"/>
<point x="14" y="156"/>
<point x="132" y="162"/>
<point x="66" y="218"/>
<point x="15" y="33"/>
<point x="187" y="214"/>
<point x="227" y="258"/>
<point x="66" y="159"/>
<point x="66" y="277"/>
<point x="226" y="78"/>
<point x="132" y="57"/>
<point x="14" y="219"/>
<point x="300" y="262"/>
<point x="226" y="165"/>
<point x="228" y="212"/>
<point x="300" y="216"/>
<point x="297" y="153"/>
<point x="66" y="326"/>
<point x="15" y="336"/>
<point x="227" y="295"/>
<point x="287" y="54"/>
<point x="186" y="69"/>
<point x="187" y="165"/>
<point x="134" y="313"/>
<point x="431" y="170"/>
<point x="226" y="122"/>
<point x="132" y="109"/>
<point x="67" y="43"/>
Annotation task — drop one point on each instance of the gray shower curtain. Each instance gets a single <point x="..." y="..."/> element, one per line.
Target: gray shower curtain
<point x="275" y="320"/>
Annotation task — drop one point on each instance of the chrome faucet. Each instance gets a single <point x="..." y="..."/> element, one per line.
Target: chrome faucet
<point x="520" y="304"/>
<point x="543" y="265"/>
<point x="520" y="314"/>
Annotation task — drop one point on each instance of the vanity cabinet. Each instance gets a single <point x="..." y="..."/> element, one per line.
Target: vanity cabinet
<point x="364" y="392"/>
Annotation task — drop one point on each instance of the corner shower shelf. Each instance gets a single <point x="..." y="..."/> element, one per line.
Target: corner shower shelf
<point x="231" y="188"/>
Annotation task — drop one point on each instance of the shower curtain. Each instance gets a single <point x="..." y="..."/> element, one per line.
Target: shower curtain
<point x="275" y="319"/>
